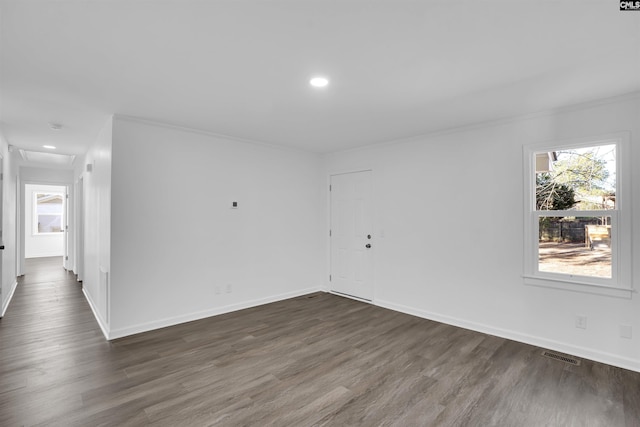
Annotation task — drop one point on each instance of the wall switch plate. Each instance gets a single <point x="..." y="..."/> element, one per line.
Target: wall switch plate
<point x="581" y="322"/>
<point x="625" y="331"/>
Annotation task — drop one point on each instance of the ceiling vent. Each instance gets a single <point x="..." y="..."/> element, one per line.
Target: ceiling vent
<point x="47" y="158"/>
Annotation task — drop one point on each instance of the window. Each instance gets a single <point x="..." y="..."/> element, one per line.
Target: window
<point x="577" y="215"/>
<point x="48" y="213"/>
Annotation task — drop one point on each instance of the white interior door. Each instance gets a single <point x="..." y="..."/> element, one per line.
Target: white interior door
<point x="65" y="229"/>
<point x="352" y="234"/>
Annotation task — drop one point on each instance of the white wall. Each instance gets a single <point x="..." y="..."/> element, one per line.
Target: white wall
<point x="97" y="224"/>
<point x="177" y="247"/>
<point x="43" y="175"/>
<point x="438" y="259"/>
<point x="40" y="245"/>
<point x="159" y="222"/>
<point x="9" y="195"/>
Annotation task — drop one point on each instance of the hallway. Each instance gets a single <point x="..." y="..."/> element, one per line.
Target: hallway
<point x="48" y="341"/>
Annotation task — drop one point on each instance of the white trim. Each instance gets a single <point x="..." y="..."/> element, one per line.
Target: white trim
<point x="176" y="320"/>
<point x="150" y="122"/>
<point x="494" y="122"/>
<point x="353" y="297"/>
<point x="107" y="290"/>
<point x="48" y="254"/>
<point x="348" y="171"/>
<point x="21" y="223"/>
<point x="5" y="304"/>
<point x="620" y="284"/>
<point x="589" y="213"/>
<point x="587" y="353"/>
<point x="104" y="327"/>
<point x="429" y="134"/>
<point x="576" y="285"/>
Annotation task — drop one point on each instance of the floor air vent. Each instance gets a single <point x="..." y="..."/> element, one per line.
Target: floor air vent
<point x="561" y="357"/>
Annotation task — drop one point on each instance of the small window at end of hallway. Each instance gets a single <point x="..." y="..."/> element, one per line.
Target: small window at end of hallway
<point x="577" y="214"/>
<point x="48" y="213"/>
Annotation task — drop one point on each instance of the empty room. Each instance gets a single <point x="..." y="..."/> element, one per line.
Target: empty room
<point x="331" y="213"/>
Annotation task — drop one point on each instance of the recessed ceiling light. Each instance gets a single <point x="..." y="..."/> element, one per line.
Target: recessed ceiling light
<point x="50" y="147"/>
<point x="319" y="82"/>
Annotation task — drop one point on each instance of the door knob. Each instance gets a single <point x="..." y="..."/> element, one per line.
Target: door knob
<point x="368" y="246"/>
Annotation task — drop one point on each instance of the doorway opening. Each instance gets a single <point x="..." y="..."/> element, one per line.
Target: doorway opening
<point x="45" y="211"/>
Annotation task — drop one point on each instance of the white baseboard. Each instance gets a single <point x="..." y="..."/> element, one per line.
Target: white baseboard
<point x="588" y="353"/>
<point x="171" y="321"/>
<point x="5" y="303"/>
<point x="104" y="327"/>
<point x="45" y="255"/>
<point x="584" y="352"/>
<point x="340" y="294"/>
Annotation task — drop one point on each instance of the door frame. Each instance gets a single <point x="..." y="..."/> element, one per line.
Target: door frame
<point x="328" y="228"/>
<point x="21" y="221"/>
<point x="79" y="228"/>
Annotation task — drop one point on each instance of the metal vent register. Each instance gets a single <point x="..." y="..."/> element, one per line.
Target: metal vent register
<point x="561" y="357"/>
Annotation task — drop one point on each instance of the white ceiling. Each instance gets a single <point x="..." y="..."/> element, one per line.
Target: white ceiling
<point x="241" y="67"/>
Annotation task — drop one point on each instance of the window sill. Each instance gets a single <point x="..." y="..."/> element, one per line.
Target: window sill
<point x="577" y="286"/>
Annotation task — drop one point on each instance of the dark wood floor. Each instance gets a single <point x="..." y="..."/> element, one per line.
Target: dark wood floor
<point x="316" y="360"/>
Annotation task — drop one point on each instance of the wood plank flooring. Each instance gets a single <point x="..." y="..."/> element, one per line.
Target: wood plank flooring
<point x="315" y="360"/>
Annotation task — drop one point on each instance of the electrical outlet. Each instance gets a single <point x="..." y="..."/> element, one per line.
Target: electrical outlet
<point x="581" y="322"/>
<point x="229" y="288"/>
<point x="625" y="331"/>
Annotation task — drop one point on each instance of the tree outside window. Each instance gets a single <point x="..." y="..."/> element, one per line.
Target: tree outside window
<point x="578" y="215"/>
<point x="578" y="242"/>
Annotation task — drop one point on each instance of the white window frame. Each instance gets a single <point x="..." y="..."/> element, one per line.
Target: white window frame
<point x="35" y="230"/>
<point x="620" y="284"/>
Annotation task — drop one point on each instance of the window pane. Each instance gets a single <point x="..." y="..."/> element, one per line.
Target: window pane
<point x="49" y="208"/>
<point x="49" y="223"/>
<point x="577" y="178"/>
<point x="578" y="246"/>
<point x="49" y="203"/>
